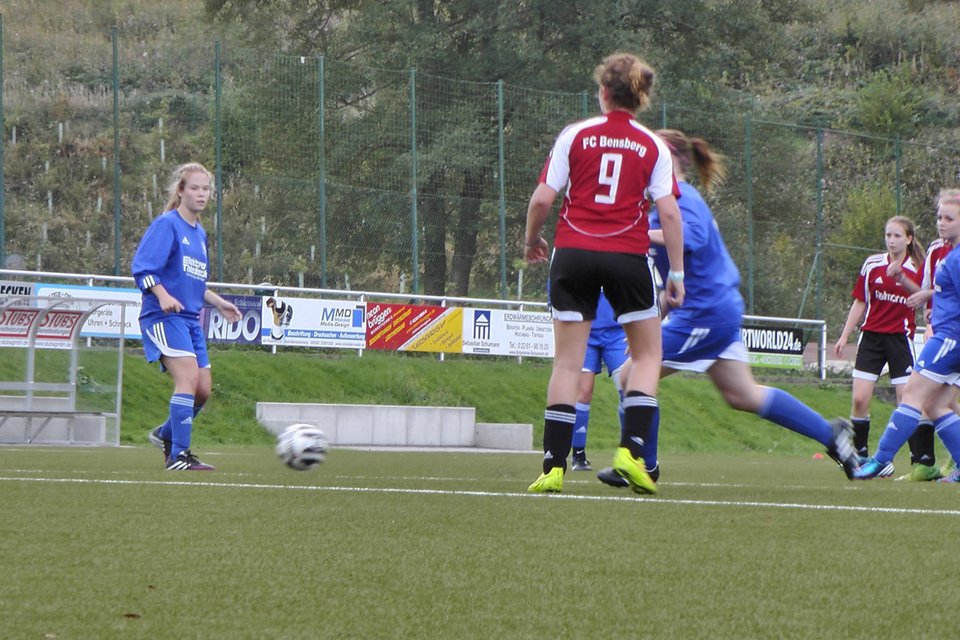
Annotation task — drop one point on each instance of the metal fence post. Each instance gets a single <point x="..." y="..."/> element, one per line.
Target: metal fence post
<point x="501" y="166"/>
<point x="218" y="145"/>
<point x="414" y="251"/>
<point x="3" y="233"/>
<point x="818" y="256"/>
<point x="323" y="172"/>
<point x="898" y="184"/>
<point x="116" y="151"/>
<point x="748" y="184"/>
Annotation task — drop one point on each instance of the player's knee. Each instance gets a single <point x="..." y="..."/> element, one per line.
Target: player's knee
<point x="739" y="401"/>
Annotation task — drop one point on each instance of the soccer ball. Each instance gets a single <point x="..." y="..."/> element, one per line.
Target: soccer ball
<point x="302" y="446"/>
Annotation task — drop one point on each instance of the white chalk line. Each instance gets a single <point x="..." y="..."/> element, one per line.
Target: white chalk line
<point x="651" y="500"/>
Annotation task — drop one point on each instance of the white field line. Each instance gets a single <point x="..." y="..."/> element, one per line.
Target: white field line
<point x="659" y="501"/>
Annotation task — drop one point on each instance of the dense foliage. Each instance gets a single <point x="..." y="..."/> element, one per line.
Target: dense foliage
<point x="772" y="84"/>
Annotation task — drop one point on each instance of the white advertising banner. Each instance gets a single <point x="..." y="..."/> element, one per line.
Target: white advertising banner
<point x="302" y="322"/>
<point x="105" y="321"/>
<point x="508" y="333"/>
<point x="10" y="289"/>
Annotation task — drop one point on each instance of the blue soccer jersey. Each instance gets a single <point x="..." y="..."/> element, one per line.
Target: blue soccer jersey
<point x="605" y="318"/>
<point x="173" y="253"/>
<point x="946" y="298"/>
<point x="712" y="281"/>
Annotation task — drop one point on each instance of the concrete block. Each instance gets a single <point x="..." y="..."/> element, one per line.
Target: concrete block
<point x="515" y="437"/>
<point x="397" y="426"/>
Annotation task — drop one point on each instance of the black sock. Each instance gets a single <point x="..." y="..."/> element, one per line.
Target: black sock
<point x="861" y="435"/>
<point x="638" y="411"/>
<point x="558" y="422"/>
<point x="922" y="445"/>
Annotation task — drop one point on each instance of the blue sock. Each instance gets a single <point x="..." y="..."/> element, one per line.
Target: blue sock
<point x="903" y="423"/>
<point x="181" y="422"/>
<point x="649" y="449"/>
<point x="785" y="410"/>
<point x="165" y="429"/>
<point x="948" y="428"/>
<point x="580" y="426"/>
<point x="166" y="432"/>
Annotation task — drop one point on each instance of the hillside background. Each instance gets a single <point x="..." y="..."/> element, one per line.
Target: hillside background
<point x="391" y="145"/>
<point x="694" y="417"/>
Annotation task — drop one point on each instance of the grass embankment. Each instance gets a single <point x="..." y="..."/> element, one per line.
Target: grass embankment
<point x="695" y="418"/>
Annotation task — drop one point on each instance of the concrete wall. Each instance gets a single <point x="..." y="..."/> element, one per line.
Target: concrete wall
<point x="396" y="426"/>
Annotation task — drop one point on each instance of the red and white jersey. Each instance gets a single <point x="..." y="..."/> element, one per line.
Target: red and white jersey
<point x="611" y="167"/>
<point x="886" y="299"/>
<point x="936" y="252"/>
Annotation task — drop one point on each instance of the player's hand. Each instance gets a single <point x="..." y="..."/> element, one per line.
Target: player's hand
<point x="838" y="348"/>
<point x="230" y="311"/>
<point x="536" y="251"/>
<point x="920" y="298"/>
<point x="894" y="270"/>
<point x="169" y="304"/>
<point x="675" y="293"/>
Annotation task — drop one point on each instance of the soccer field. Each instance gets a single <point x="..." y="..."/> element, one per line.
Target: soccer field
<point x="102" y="543"/>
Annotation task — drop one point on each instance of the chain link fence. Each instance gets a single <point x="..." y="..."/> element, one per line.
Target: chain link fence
<point x="340" y="176"/>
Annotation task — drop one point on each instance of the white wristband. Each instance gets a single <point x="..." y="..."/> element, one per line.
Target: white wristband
<point x="676" y="276"/>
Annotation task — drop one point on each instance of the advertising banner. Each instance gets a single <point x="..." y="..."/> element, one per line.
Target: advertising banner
<point x="217" y="329"/>
<point x="55" y="331"/>
<point x="302" y="322"/>
<point x="105" y="321"/>
<point x="9" y="289"/>
<point x="771" y="347"/>
<point x="508" y="333"/>
<point x="410" y="327"/>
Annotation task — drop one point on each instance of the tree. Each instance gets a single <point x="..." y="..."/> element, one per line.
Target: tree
<point x="539" y="43"/>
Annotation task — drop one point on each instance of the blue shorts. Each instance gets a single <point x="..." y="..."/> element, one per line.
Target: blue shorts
<point x="175" y="337"/>
<point x="605" y="347"/>
<point x="687" y="348"/>
<point x="940" y="360"/>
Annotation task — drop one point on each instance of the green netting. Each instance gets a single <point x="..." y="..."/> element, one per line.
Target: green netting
<point x="335" y="175"/>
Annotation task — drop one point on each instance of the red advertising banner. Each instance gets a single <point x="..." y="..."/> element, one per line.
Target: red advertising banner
<point x="391" y="326"/>
<point x="56" y="328"/>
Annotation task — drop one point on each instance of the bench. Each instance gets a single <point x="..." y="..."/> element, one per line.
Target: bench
<point x="41" y="407"/>
<point x="397" y="426"/>
<point x="52" y="427"/>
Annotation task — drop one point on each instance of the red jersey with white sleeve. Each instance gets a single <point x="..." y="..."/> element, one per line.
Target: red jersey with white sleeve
<point x="886" y="299"/>
<point x="612" y="167"/>
<point x="936" y="253"/>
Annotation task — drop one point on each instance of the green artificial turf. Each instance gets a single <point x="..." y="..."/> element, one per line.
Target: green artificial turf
<point x="102" y="543"/>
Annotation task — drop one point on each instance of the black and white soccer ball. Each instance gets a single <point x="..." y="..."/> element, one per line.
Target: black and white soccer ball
<point x="302" y="446"/>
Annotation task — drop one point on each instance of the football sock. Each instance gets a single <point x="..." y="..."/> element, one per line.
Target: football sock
<point x="558" y="422"/>
<point x="782" y="408"/>
<point x="620" y="409"/>
<point x="649" y="449"/>
<point x="903" y="422"/>
<point x="922" y="445"/>
<point x="948" y="428"/>
<point x="165" y="431"/>
<point x="861" y="435"/>
<point x="638" y="411"/>
<point x="580" y="426"/>
<point x="181" y="422"/>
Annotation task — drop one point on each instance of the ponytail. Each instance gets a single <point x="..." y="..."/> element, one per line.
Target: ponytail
<point x="709" y="164"/>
